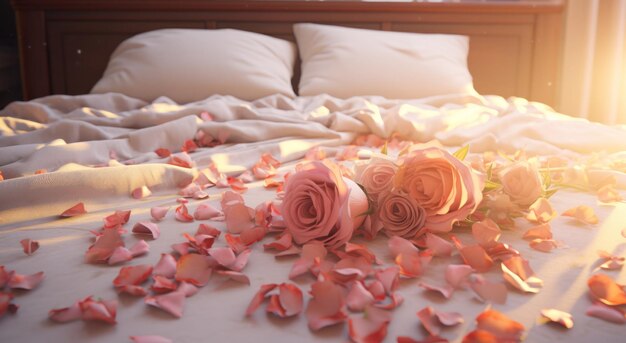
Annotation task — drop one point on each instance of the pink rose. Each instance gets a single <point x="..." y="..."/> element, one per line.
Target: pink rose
<point x="321" y="205"/>
<point x="401" y="215"/>
<point x="447" y="189"/>
<point x="521" y="182"/>
<point x="376" y="176"/>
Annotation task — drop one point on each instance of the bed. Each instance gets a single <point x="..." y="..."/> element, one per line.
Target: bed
<point x="199" y="188"/>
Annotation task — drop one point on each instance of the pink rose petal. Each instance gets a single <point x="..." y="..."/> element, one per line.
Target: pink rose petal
<point x="488" y="291"/>
<point x="283" y="243"/>
<point x="359" y="297"/>
<point x="223" y="255"/>
<point x="150" y="339"/>
<point x="182" y="214"/>
<point x="193" y="268"/>
<point x="446" y="290"/>
<point x="159" y="212"/>
<point x="104" y="246"/>
<point x="29" y="246"/>
<point x="206" y="211"/>
<point x="438" y="245"/>
<point x="74" y="211"/>
<point x="583" y="214"/>
<point x="166" y="266"/>
<point x="116" y="219"/>
<point x="390" y="278"/>
<point x="326" y="306"/>
<point x="476" y="257"/>
<point x="66" y="314"/>
<point x="205" y="229"/>
<point x="120" y="255"/>
<point x="611" y="262"/>
<point x="188" y="289"/>
<point x="372" y="327"/>
<point x="529" y="285"/>
<point x="291" y="299"/>
<point x="241" y="261"/>
<point x="259" y="297"/>
<point x="5" y="276"/>
<point x="133" y="275"/>
<point x="147" y="228"/>
<point x="141" y="192"/>
<point x="398" y="245"/>
<point x="541" y="231"/>
<point x="608" y="194"/>
<point x="101" y="310"/>
<point x="543" y="245"/>
<point x="162" y="284"/>
<point x="457" y="275"/>
<point x="139" y="248"/>
<point x="172" y="303"/>
<point x="25" y="281"/>
<point x="239" y="217"/>
<point x="563" y="318"/>
<point x="541" y="211"/>
<point x="486" y="233"/>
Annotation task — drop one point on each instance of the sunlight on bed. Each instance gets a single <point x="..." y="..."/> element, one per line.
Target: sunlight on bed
<point x="99" y="113"/>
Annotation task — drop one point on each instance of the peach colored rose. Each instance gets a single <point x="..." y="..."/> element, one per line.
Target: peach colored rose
<point x="317" y="207"/>
<point x="401" y="215"/>
<point x="376" y="176"/>
<point x="521" y="182"/>
<point x="446" y="188"/>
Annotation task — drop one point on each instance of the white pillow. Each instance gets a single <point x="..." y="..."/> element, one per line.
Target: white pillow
<point x="345" y="62"/>
<point x="189" y="65"/>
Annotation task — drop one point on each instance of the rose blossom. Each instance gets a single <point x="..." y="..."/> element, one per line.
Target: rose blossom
<point x="521" y="182"/>
<point x="447" y="189"/>
<point x="376" y="176"/>
<point x="319" y="204"/>
<point x="401" y="215"/>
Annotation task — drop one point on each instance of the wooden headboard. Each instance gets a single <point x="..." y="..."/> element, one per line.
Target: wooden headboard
<point x="515" y="46"/>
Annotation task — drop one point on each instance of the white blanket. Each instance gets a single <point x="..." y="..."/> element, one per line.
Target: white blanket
<point x="97" y="148"/>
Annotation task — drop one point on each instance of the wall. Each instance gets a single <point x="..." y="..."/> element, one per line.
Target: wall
<point x="9" y="61"/>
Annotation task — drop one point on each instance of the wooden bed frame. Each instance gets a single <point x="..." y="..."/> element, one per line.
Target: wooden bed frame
<point x="515" y="46"/>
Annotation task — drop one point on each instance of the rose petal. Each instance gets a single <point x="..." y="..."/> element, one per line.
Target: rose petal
<point x="239" y="218"/>
<point x="172" y="303"/>
<point x="5" y="276"/>
<point x="611" y="262"/>
<point x="390" y="278"/>
<point x="429" y="339"/>
<point x="159" y="212"/>
<point x="608" y="313"/>
<point x="519" y="266"/>
<point x="258" y="298"/>
<point x="410" y="265"/>
<point x="398" y="245"/>
<point x="359" y="297"/>
<point x="541" y="231"/>
<point x="241" y="261"/>
<point x="457" y="275"/>
<point x="500" y="325"/>
<point x="446" y="290"/>
<point x="283" y="243"/>
<point x="541" y="211"/>
<point x="193" y="268"/>
<point x="188" y="289"/>
<point x="480" y="336"/>
<point x="206" y="211"/>
<point x="517" y="282"/>
<point x="563" y="318"/>
<point x="543" y="245"/>
<point x="583" y="214"/>
<point x="139" y="248"/>
<point x="25" y="281"/>
<point x="73" y="211"/>
<point x="101" y="310"/>
<point x="486" y="232"/>
<point x="141" y="192"/>
<point x="608" y="194"/>
<point x="162" y="152"/>
<point x="137" y="291"/>
<point x="104" y="246"/>
<point x="223" y="255"/>
<point x="182" y="214"/>
<point x="120" y="255"/>
<point x="488" y="291"/>
<point x="116" y="219"/>
<point x="133" y="275"/>
<point x="150" y="339"/>
<point x="476" y="257"/>
<point x="66" y="314"/>
<point x="166" y="266"/>
<point x="326" y="306"/>
<point x="29" y="246"/>
<point x="147" y="228"/>
<point x="605" y="290"/>
<point x="438" y="245"/>
<point x="372" y="327"/>
<point x="291" y="299"/>
<point x="235" y="243"/>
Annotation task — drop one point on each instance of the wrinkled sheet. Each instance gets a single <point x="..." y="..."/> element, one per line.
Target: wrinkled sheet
<point x="97" y="148"/>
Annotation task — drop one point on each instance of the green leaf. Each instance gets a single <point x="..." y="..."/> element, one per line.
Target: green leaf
<point x="550" y="192"/>
<point x="490" y="171"/>
<point x="383" y="150"/>
<point x="461" y="153"/>
<point x="490" y="185"/>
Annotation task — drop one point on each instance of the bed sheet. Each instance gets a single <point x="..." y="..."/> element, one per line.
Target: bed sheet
<point x="97" y="149"/>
